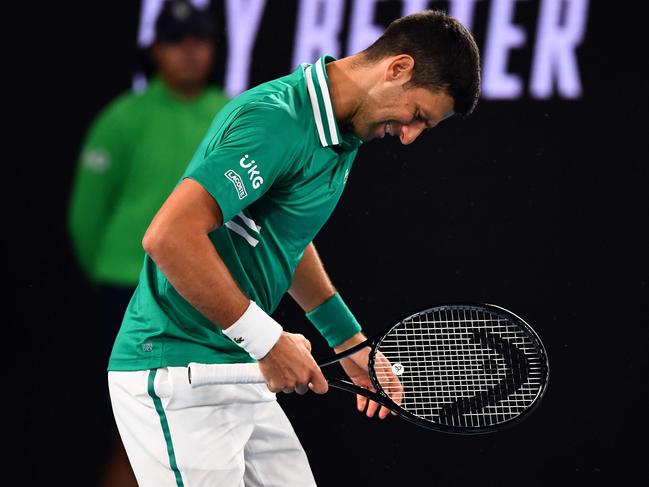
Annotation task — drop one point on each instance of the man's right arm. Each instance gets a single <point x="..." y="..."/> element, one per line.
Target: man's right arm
<point x="177" y="240"/>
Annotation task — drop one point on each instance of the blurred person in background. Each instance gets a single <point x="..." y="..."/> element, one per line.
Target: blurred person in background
<point x="132" y="157"/>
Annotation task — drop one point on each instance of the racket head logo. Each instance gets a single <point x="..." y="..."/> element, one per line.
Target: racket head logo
<point x="456" y="324"/>
<point x="397" y="368"/>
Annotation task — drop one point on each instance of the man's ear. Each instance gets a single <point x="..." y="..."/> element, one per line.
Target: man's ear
<point x="400" y="69"/>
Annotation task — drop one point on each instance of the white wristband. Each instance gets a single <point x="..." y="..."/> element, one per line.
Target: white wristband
<point x="255" y="331"/>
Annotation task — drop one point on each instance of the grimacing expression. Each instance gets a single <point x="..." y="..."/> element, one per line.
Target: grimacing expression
<point x="401" y="112"/>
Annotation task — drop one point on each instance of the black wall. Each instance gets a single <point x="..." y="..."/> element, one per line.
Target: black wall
<point x="539" y="206"/>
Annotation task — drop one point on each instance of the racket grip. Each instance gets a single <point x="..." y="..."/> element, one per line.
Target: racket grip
<point x="211" y="374"/>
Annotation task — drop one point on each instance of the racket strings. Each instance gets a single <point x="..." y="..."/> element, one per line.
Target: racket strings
<point x="460" y="367"/>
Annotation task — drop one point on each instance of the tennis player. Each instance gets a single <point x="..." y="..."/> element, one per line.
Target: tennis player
<point x="236" y="234"/>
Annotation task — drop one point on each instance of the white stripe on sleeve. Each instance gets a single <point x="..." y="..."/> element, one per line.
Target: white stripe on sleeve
<point x="238" y="229"/>
<point x="250" y="223"/>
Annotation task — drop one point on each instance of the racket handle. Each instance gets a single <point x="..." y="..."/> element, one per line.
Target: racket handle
<point x="206" y="374"/>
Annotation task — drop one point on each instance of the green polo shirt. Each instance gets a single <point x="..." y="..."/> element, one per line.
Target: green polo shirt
<point x="133" y="155"/>
<point x="276" y="162"/>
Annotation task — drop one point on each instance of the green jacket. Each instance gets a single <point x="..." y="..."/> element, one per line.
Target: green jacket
<point x="133" y="155"/>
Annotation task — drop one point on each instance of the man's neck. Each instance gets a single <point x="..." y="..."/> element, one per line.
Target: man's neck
<point x="349" y="83"/>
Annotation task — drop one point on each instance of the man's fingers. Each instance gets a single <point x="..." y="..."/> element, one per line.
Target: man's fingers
<point x="289" y="366"/>
<point x="302" y="388"/>
<point x="361" y="402"/>
<point x="272" y="387"/>
<point x="383" y="412"/>
<point x="371" y="409"/>
<point x="318" y="383"/>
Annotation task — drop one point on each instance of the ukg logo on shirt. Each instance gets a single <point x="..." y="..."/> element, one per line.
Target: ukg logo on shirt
<point x="238" y="183"/>
<point x="253" y="172"/>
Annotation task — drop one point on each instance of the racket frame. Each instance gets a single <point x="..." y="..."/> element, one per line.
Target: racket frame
<point x="381" y="397"/>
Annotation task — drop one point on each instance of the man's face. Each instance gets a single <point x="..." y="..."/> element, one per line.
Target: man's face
<point x="401" y="112"/>
<point x="186" y="63"/>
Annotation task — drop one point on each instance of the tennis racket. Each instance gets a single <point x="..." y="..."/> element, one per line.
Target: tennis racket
<point x="460" y="368"/>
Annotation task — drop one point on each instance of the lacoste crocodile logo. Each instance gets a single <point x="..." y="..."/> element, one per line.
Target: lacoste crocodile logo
<point x="238" y="340"/>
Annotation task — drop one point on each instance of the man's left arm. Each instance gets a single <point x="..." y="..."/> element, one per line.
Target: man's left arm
<point x="314" y="292"/>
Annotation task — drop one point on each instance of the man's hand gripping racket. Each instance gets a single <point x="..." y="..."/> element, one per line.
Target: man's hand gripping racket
<point x="356" y="366"/>
<point x="461" y="369"/>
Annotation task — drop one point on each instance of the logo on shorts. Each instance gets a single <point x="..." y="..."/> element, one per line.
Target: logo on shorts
<point x="238" y="183"/>
<point x="238" y="340"/>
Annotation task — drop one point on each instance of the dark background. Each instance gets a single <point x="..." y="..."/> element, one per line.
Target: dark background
<point x="538" y="206"/>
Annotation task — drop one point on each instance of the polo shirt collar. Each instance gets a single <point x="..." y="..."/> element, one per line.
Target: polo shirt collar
<point x="317" y="84"/>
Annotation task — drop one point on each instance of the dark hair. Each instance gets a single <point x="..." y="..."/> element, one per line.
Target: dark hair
<point x="445" y="53"/>
<point x="179" y="19"/>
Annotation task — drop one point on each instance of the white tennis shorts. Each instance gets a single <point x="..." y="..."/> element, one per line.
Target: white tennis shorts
<point x="214" y="435"/>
